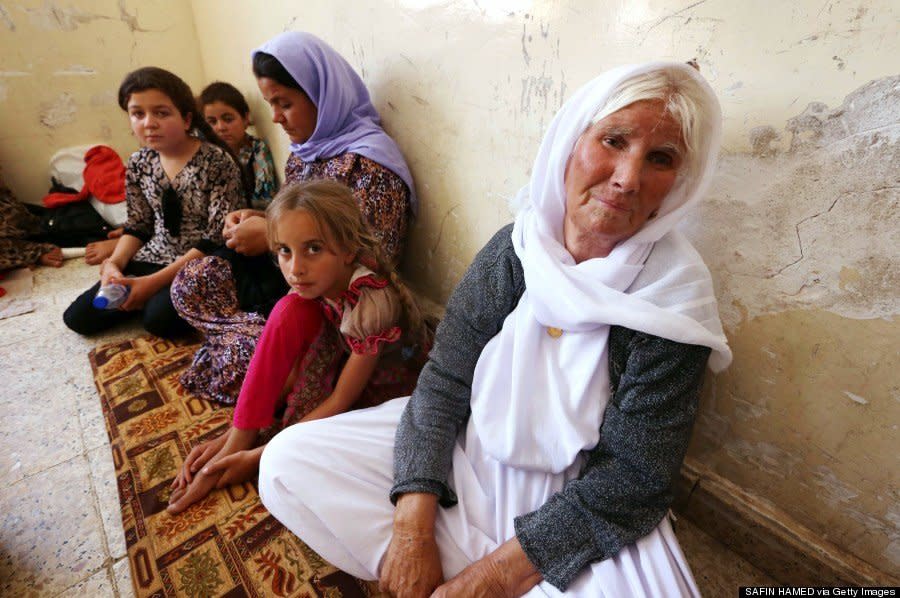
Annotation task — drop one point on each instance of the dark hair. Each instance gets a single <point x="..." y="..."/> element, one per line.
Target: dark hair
<point x="151" y="77"/>
<point x="226" y="93"/>
<point x="266" y="65"/>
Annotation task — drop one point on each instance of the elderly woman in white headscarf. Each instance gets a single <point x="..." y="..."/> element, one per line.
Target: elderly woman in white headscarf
<point x="539" y="450"/>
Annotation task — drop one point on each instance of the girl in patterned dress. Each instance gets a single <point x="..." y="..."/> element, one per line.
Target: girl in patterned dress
<point x="347" y="335"/>
<point x="227" y="112"/>
<point x="178" y="190"/>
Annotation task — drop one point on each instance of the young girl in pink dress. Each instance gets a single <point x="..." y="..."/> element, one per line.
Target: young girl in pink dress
<point x="347" y="335"/>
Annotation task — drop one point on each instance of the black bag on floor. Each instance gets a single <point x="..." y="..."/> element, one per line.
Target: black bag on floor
<point x="71" y="225"/>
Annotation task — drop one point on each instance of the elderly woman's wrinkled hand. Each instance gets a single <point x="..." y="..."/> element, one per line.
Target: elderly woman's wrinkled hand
<point x="504" y="572"/>
<point x="412" y="563"/>
<point x="412" y="566"/>
<point x="478" y="580"/>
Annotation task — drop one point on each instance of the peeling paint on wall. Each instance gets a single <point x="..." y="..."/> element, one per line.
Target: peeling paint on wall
<point x="834" y="492"/>
<point x="855" y="398"/>
<point x="5" y="19"/>
<point x="766" y="456"/>
<point x="815" y="226"/>
<point x="52" y="17"/>
<point x="75" y="70"/>
<point x="761" y="140"/>
<point x="892" y="552"/>
<point x="129" y="19"/>
<point x="59" y="112"/>
<point x="104" y="98"/>
<point x="806" y="417"/>
<point x="81" y="48"/>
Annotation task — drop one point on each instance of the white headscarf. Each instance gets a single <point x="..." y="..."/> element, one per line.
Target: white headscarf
<point x="537" y="399"/>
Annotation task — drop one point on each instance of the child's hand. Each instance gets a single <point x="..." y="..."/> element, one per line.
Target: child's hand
<point x="248" y="237"/>
<point x="109" y="272"/>
<point x="232" y="219"/>
<point x="198" y="457"/>
<point x="235" y="468"/>
<point x="142" y="288"/>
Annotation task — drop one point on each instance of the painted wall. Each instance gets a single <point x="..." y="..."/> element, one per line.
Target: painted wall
<point x="61" y="62"/>
<point x="800" y="230"/>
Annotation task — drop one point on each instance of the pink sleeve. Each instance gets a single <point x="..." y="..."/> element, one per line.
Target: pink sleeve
<point x="291" y="328"/>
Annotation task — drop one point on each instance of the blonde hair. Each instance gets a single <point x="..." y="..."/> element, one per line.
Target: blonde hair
<point x="336" y="213"/>
<point x="684" y="98"/>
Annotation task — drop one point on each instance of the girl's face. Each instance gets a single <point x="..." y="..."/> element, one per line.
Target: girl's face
<point x="291" y="108"/>
<point x="310" y="263"/>
<point x="156" y="122"/>
<point x="227" y="122"/>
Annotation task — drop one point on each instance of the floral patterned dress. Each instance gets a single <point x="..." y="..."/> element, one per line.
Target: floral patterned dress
<point x="382" y="196"/>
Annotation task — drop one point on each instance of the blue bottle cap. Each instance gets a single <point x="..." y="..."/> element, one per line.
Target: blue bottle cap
<point x="100" y="302"/>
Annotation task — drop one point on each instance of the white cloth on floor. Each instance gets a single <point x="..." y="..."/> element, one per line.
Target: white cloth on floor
<point x="350" y="524"/>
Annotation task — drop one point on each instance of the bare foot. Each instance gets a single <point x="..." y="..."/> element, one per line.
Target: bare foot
<point x="52" y="258"/>
<point x="201" y="486"/>
<point x="98" y="251"/>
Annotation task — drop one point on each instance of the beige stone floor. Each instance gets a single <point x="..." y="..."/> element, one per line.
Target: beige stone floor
<point x="60" y="527"/>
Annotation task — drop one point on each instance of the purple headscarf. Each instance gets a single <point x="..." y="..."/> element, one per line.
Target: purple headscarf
<point x="347" y="121"/>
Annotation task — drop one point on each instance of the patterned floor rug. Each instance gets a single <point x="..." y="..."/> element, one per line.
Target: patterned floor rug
<point x="225" y="545"/>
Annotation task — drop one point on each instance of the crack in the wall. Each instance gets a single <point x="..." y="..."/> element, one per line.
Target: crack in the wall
<point x="525" y="55"/>
<point x="5" y="18"/>
<point x="828" y="4"/>
<point x="53" y="17"/>
<point x="130" y="19"/>
<point x="440" y="234"/>
<point x="673" y="15"/>
<point x="814" y="226"/>
<point x="800" y="239"/>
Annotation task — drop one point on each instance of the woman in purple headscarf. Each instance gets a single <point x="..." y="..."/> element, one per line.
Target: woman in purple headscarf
<point x="335" y="132"/>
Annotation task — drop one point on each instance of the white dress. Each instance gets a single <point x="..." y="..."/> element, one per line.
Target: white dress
<point x="328" y="481"/>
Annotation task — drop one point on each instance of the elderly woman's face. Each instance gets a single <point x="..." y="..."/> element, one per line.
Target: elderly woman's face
<point x="621" y="169"/>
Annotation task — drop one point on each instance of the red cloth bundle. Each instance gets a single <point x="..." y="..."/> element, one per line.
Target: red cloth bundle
<point x="104" y="178"/>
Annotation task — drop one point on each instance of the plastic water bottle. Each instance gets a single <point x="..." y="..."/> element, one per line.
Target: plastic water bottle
<point x="111" y="296"/>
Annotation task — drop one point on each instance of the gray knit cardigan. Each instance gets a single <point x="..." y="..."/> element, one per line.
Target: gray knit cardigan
<point x="625" y="486"/>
